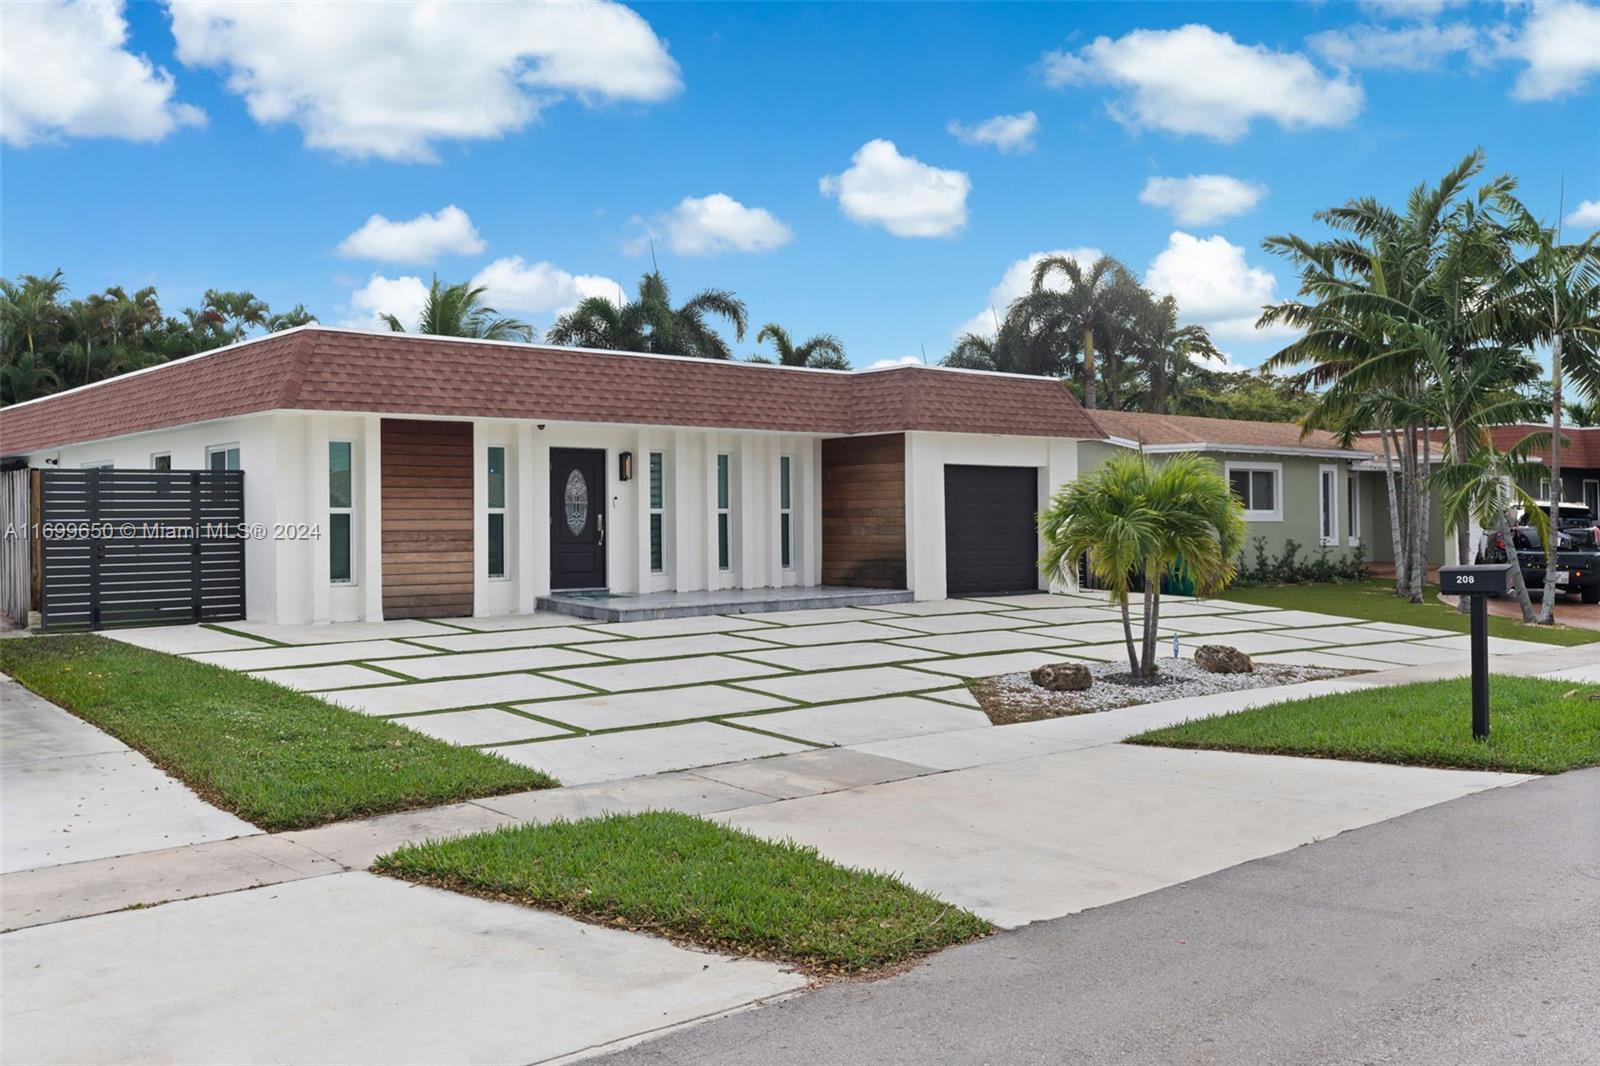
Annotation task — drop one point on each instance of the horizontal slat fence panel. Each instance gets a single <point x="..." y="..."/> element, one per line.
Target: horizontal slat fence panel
<point x="140" y="547"/>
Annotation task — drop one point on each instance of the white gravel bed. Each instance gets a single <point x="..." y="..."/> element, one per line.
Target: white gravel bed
<point x="1015" y="698"/>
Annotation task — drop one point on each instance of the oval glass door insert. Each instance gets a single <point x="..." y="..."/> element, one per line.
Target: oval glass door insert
<point x="577" y="502"/>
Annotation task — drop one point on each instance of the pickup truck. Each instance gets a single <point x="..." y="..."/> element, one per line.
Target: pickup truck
<point x="1577" y="550"/>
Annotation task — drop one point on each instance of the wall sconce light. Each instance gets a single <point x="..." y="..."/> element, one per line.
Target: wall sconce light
<point x="625" y="466"/>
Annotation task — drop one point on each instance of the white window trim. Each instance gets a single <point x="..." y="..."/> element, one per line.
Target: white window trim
<point x="160" y="455"/>
<point x="1276" y="469"/>
<point x="786" y="514"/>
<point x="1327" y="524"/>
<point x="212" y="449"/>
<point x="355" y="558"/>
<point x="652" y="509"/>
<point x="720" y="510"/>
<point x="1352" y="495"/>
<point x="502" y="510"/>
<point x="1544" y="488"/>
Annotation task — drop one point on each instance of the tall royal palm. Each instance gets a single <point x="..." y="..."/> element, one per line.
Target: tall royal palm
<point x="459" y="311"/>
<point x="1091" y="306"/>
<point x="650" y="323"/>
<point x="823" y="351"/>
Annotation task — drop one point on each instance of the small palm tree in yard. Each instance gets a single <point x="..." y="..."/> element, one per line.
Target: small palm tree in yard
<point x="1136" y="521"/>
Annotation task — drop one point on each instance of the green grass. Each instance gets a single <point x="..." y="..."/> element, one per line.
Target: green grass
<point x="1375" y="601"/>
<point x="277" y="758"/>
<point x="1535" y="726"/>
<point x="694" y="880"/>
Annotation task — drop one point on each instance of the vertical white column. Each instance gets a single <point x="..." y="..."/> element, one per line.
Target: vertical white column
<point x="1061" y="468"/>
<point x="480" y="526"/>
<point x="317" y="512"/>
<point x="538" y="533"/>
<point x="749" y="513"/>
<point x="811" y="520"/>
<point x="925" y="544"/>
<point x="372" y="518"/>
<point x="685" y="525"/>
<point x="714" y="576"/>
<point x="526" y="563"/>
<point x="643" y="442"/>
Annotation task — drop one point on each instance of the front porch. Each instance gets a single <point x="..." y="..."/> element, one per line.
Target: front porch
<point x="604" y="606"/>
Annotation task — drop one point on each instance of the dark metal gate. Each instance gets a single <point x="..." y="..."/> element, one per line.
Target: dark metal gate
<point x="140" y="547"/>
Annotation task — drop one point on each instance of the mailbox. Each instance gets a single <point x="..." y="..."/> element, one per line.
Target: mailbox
<point x="1493" y="579"/>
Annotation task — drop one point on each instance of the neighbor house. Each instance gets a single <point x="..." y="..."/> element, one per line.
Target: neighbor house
<point x="393" y="475"/>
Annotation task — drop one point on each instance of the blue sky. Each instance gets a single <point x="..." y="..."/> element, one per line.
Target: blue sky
<point x="800" y="155"/>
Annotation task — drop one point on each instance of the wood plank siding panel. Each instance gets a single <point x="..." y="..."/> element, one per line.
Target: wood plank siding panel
<point x="427" y="519"/>
<point x="864" y="511"/>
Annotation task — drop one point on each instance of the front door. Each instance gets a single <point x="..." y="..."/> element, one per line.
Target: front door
<point x="577" y="518"/>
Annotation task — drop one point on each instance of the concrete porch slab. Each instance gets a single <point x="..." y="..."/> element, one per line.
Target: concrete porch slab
<point x="351" y="968"/>
<point x="605" y="607"/>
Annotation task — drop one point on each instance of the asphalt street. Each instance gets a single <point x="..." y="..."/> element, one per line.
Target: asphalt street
<point x="1467" y="932"/>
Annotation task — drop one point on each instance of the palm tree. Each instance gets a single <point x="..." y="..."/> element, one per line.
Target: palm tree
<point x="1556" y="302"/>
<point x="1167" y="349"/>
<point x="821" y="352"/>
<point x="650" y="323"/>
<point x="29" y="309"/>
<point x="235" y="312"/>
<point x="1092" y="305"/>
<point x="296" y="316"/>
<point x="1136" y="521"/>
<point x="972" y="351"/>
<point x="26" y="377"/>
<point x="459" y="311"/>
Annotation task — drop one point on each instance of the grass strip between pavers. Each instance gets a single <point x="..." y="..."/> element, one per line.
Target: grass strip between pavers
<point x="1536" y="726"/>
<point x="696" y="881"/>
<point x="1375" y="601"/>
<point x="277" y="758"/>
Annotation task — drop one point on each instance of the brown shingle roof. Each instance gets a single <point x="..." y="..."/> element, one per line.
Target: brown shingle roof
<point x="1158" y="429"/>
<point x="340" y="370"/>
<point x="1580" y="444"/>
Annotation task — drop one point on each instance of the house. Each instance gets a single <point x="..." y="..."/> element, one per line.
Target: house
<point x="1307" y="488"/>
<point x="393" y="475"/>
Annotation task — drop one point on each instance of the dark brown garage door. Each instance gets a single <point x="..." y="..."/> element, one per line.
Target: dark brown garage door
<point x="991" y="544"/>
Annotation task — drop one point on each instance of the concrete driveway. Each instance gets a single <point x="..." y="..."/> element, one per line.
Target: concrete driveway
<point x="73" y="793"/>
<point x="593" y="702"/>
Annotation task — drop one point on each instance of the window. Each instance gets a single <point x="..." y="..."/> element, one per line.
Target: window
<point x="658" y="516"/>
<point x="341" y="511"/>
<point x="1591" y="497"/>
<point x="1352" y="510"/>
<point x="497" y="512"/>
<point x="161" y="461"/>
<point x="1328" y="505"/>
<point x="724" y="515"/>
<point x="1544" y="488"/>
<point x="1256" y="486"/>
<point x="97" y="464"/>
<point x="785" y="515"/>
<point x="222" y="457"/>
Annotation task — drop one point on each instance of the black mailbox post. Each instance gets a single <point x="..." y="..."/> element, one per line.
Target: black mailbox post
<point x="1476" y="583"/>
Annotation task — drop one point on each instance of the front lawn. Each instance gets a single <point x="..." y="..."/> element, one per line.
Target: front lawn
<point x="277" y="758"/>
<point x="1535" y="726"/>
<point x="697" y="881"/>
<point x="1376" y="602"/>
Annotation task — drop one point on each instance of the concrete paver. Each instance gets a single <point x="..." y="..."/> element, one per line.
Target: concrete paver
<point x="677" y="647"/>
<point x="487" y="725"/>
<point x="274" y="658"/>
<point x="608" y="756"/>
<point x="837" y="656"/>
<point x="965" y="622"/>
<point x="868" y="720"/>
<point x="679" y="627"/>
<point x="811" y="773"/>
<point x="322" y="678"/>
<point x="495" y="639"/>
<point x="991" y="665"/>
<point x="664" y="673"/>
<point x="341" y="632"/>
<point x="351" y="968"/>
<point x="623" y="710"/>
<point x="981" y="643"/>
<point x="851" y="684"/>
<point x="181" y="640"/>
<point x="444" y="695"/>
<point x="838" y="632"/>
<point x="489" y="662"/>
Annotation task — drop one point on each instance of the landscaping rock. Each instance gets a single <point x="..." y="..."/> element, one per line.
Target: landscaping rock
<point x="1221" y="659"/>
<point x="1062" y="677"/>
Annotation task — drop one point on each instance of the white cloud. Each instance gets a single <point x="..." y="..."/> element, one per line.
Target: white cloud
<point x="1008" y="133"/>
<point x="1202" y="198"/>
<point x="1560" y="43"/>
<point x="1408" y="9"/>
<point x="1586" y="216"/>
<point x="904" y="360"/>
<point x="902" y="194"/>
<point x="517" y="286"/>
<point x="420" y="240"/>
<point x="402" y="297"/>
<point x="1214" y="285"/>
<point x="1423" y="46"/>
<point x="1018" y="281"/>
<point x="1196" y="80"/>
<point x="391" y="80"/>
<point x="65" y="71"/>
<point x="708" y="225"/>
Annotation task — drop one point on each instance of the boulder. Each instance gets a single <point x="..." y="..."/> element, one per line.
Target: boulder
<point x="1062" y="677"/>
<point x="1221" y="659"/>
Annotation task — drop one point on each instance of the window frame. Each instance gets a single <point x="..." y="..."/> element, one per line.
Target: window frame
<point x="1583" y="490"/>
<point x="156" y="457"/>
<point x="1327" y="505"/>
<point x="656" y="509"/>
<point x="1276" y="470"/>
<point x="1352" y="506"/>
<point x="723" y="477"/>
<point x="491" y="510"/>
<point x="98" y="464"/>
<point x="786" y="513"/>
<point x="349" y="511"/>
<point x="223" y="450"/>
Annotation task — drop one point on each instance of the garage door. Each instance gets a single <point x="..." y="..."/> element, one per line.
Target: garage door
<point x="991" y="543"/>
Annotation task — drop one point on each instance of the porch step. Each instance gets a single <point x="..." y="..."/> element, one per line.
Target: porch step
<point x="606" y="607"/>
